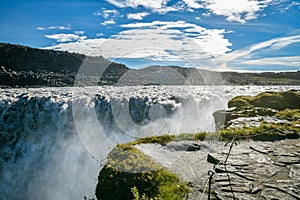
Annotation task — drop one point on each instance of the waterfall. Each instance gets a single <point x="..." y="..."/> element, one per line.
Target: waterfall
<point x="54" y="140"/>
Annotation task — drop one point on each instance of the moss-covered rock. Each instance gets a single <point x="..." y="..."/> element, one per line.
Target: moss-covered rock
<point x="275" y="100"/>
<point x="289" y="114"/>
<point x="240" y="102"/>
<point x="264" y="104"/>
<point x="129" y="170"/>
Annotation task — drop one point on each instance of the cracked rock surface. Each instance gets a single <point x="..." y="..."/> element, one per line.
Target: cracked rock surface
<point x="254" y="170"/>
<point x="271" y="171"/>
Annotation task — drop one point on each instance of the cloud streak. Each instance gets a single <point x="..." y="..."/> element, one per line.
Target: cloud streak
<point x="288" y="61"/>
<point x="56" y="27"/>
<point x="108" y="22"/>
<point x="65" y="37"/>
<point x="137" y="16"/>
<point x="152" y="5"/>
<point x="259" y="54"/>
<point x="155" y="6"/>
<point x="269" y="45"/>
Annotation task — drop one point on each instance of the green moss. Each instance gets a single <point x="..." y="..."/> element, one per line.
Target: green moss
<point x="265" y="132"/>
<point x="201" y="136"/>
<point x="289" y="114"/>
<point x="162" y="139"/>
<point x="240" y="102"/>
<point x="184" y="136"/>
<point x="128" y="168"/>
<point x="275" y="100"/>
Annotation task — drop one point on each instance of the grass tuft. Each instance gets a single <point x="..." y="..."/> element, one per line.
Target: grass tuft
<point x="264" y="132"/>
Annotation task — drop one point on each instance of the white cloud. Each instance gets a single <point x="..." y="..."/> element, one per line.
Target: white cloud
<point x="287" y="61"/>
<point x="108" y="22"/>
<point x="41" y="28"/>
<point x="158" y="6"/>
<point x="99" y="34"/>
<point x="193" y="4"/>
<point x="173" y="8"/>
<point x="236" y="10"/>
<point x="65" y="37"/>
<point x="111" y="11"/>
<point x="56" y="27"/>
<point x="137" y="16"/>
<point x="259" y="54"/>
<point x="159" y="40"/>
<point x="60" y="27"/>
<point x="110" y="14"/>
<point x="207" y="14"/>
<point x="107" y="13"/>
<point x="88" y="47"/>
<point x="284" y="5"/>
<point x="159" y="24"/>
<point x="152" y="5"/>
<point x="233" y="10"/>
<point x="79" y="32"/>
<point x="292" y="4"/>
<point x="266" y="46"/>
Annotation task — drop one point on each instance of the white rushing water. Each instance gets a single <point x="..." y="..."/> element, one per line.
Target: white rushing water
<point x="53" y="140"/>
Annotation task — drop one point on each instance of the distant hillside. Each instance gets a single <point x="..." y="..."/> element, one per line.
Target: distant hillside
<point x="22" y="66"/>
<point x="266" y="78"/>
<point x="173" y="75"/>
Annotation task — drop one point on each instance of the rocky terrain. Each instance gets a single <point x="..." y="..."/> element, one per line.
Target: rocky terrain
<point x="22" y="66"/>
<point x="257" y="160"/>
<point x="254" y="169"/>
<point x="277" y="107"/>
<point x="259" y="170"/>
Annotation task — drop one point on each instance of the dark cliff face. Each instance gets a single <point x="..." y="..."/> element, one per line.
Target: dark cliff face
<point x="22" y="66"/>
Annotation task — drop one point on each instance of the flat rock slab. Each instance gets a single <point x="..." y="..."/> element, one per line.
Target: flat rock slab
<point x="254" y="169"/>
<point x="272" y="172"/>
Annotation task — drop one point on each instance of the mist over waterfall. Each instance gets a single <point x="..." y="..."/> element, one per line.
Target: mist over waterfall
<point x="54" y="140"/>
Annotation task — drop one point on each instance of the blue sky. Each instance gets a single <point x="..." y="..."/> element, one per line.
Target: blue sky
<point x="259" y="35"/>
